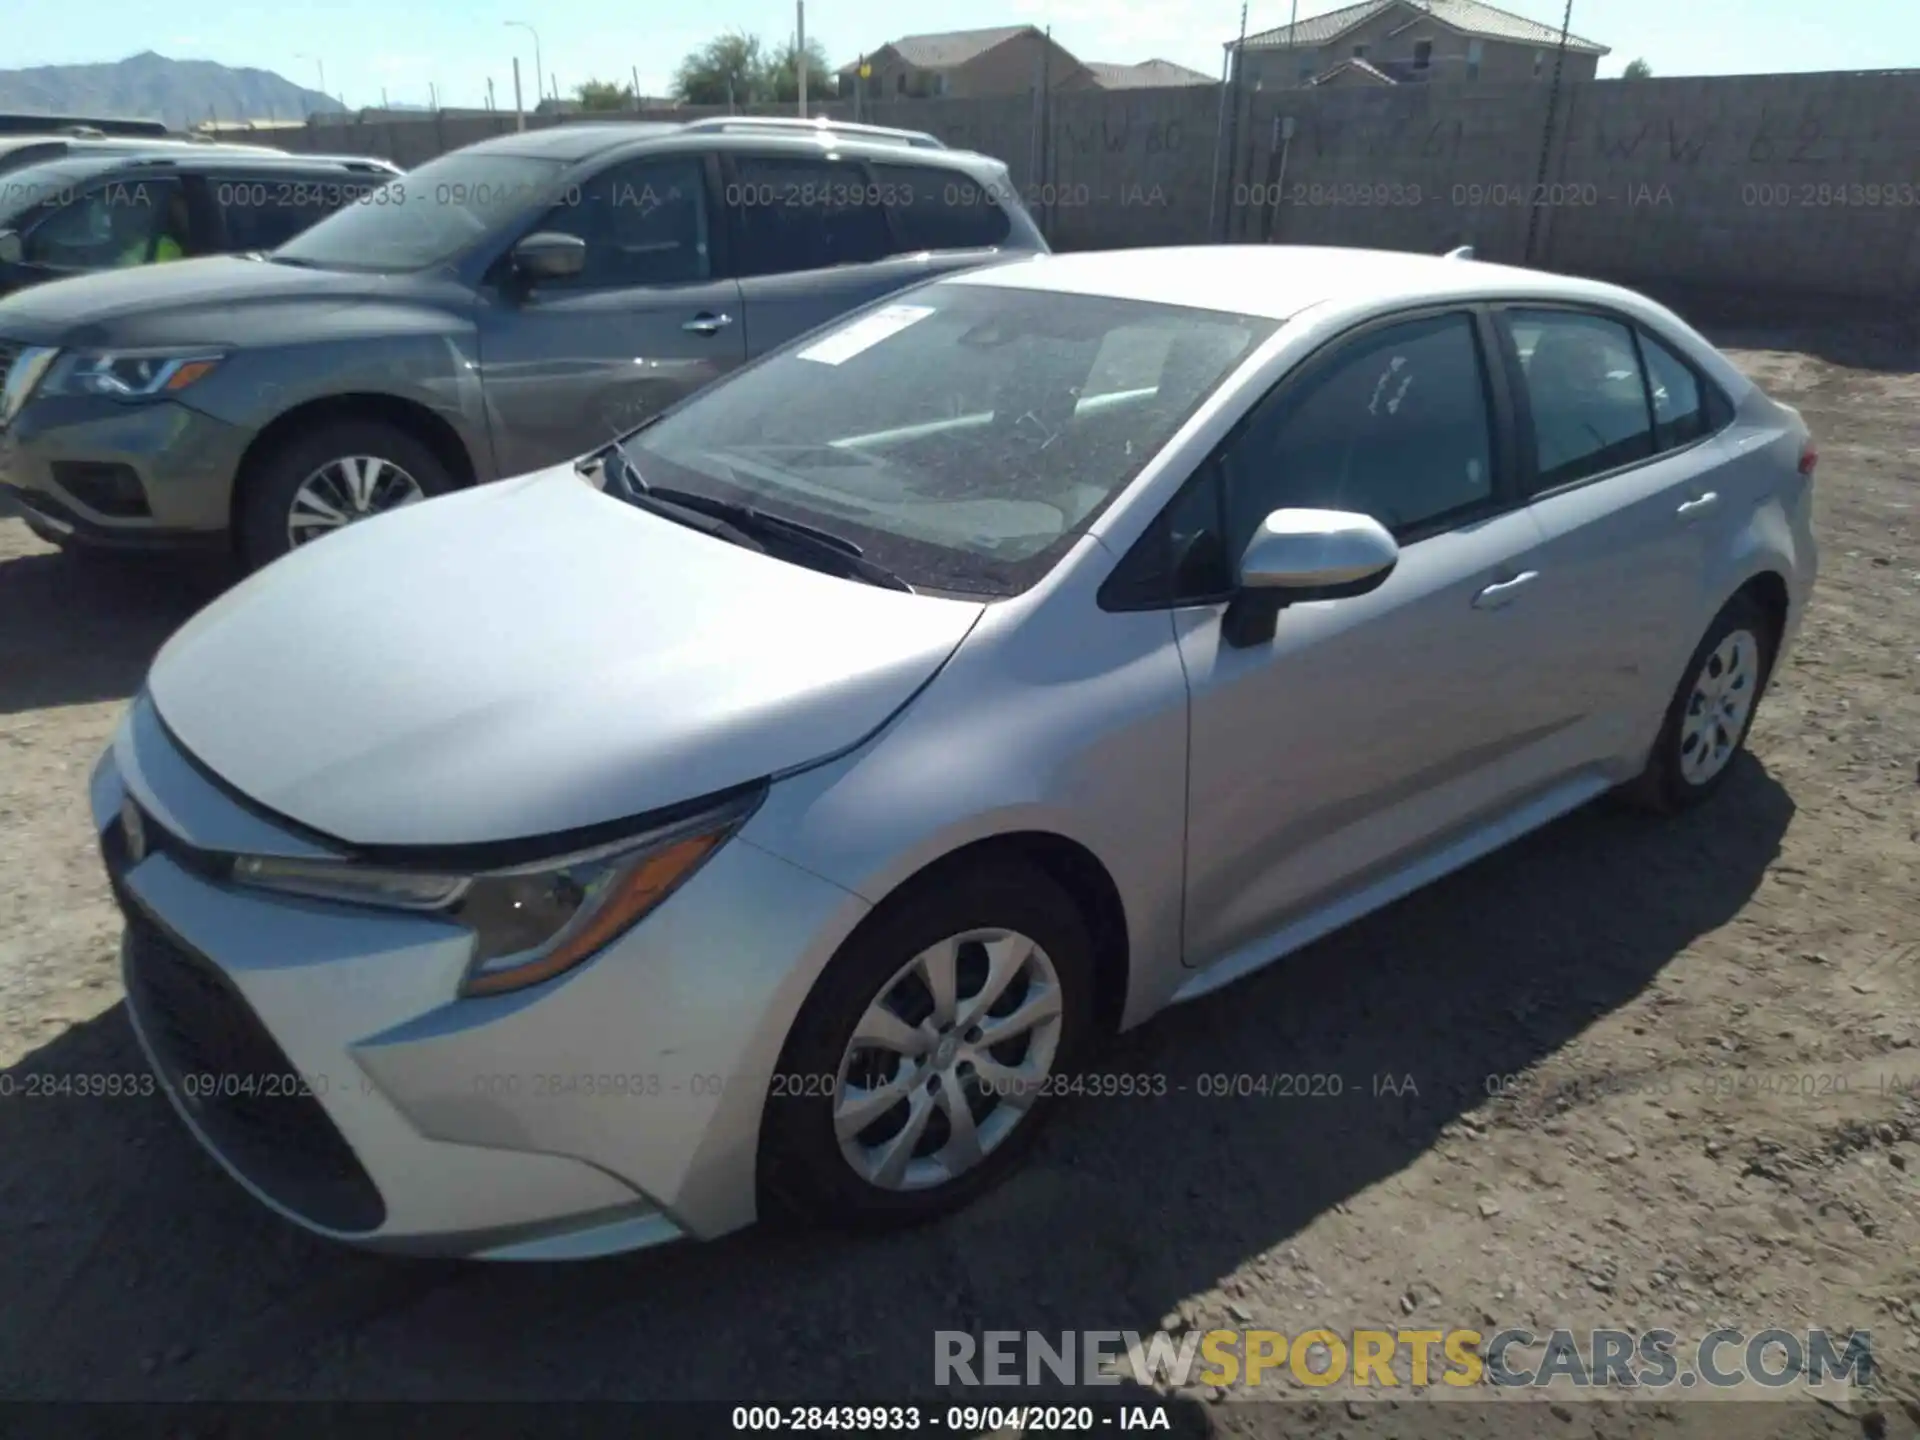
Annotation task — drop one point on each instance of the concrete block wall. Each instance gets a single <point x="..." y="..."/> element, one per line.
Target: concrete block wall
<point x="1801" y="184"/>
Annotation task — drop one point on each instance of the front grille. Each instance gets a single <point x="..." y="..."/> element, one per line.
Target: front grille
<point x="231" y="1076"/>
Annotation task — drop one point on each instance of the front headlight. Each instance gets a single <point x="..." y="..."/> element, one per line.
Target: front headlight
<point x="128" y="374"/>
<point x="533" y="922"/>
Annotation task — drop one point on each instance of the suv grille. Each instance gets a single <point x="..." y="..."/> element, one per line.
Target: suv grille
<point x="234" y="1079"/>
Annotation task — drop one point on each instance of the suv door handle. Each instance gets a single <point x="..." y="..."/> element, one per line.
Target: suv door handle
<point x="1700" y="506"/>
<point x="706" y="323"/>
<point x="1495" y="596"/>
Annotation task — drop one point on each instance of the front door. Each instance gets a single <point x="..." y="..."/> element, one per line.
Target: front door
<point x="567" y="364"/>
<point x="1372" y="727"/>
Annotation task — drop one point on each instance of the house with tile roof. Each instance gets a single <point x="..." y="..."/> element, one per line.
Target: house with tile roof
<point x="1381" y="43"/>
<point x="1005" y="60"/>
<point x="1147" y="75"/>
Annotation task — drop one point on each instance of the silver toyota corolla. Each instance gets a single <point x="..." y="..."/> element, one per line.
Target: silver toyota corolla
<point x="764" y="814"/>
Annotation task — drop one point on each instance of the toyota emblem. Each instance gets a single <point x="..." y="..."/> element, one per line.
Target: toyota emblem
<point x="135" y="830"/>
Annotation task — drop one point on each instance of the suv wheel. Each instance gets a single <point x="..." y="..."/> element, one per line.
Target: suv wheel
<point x="326" y="478"/>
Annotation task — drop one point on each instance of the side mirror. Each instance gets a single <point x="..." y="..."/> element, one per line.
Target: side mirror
<point x="549" y="255"/>
<point x="12" y="252"/>
<point x="1299" y="555"/>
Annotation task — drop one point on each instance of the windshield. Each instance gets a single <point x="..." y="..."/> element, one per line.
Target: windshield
<point x="964" y="435"/>
<point x="427" y="216"/>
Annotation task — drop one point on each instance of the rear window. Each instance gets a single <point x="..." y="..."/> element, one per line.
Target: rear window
<point x="935" y="209"/>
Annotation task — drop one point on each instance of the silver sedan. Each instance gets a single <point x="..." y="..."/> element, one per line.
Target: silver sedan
<point x="773" y="811"/>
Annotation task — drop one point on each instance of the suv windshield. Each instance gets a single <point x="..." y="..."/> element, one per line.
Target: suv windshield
<point x="963" y="435"/>
<point x="427" y="216"/>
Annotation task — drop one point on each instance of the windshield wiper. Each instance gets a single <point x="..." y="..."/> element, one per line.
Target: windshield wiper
<point x="849" y="557"/>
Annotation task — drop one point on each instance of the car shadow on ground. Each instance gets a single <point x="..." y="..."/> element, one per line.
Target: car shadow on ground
<point x="135" y="1269"/>
<point x="78" y="628"/>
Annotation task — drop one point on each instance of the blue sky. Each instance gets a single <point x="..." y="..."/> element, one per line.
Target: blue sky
<point x="367" y="46"/>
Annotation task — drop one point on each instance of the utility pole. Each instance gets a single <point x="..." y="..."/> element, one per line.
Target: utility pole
<point x="433" y="97"/>
<point x="538" y="68"/>
<point x="800" y="51"/>
<point x="519" y="110"/>
<point x="489" y="92"/>
<point x="635" y="72"/>
<point x="555" y="77"/>
<point x="385" y="104"/>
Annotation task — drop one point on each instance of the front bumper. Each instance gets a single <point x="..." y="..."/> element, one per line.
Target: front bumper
<point x="320" y="1053"/>
<point x="168" y="472"/>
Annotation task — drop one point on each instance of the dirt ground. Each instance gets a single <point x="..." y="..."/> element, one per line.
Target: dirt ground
<point x="1711" y="1022"/>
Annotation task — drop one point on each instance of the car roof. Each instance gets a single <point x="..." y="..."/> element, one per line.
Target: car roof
<point x="572" y="143"/>
<point x="87" y="164"/>
<point x="1275" y="281"/>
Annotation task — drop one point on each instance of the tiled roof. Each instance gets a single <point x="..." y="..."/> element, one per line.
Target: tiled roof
<point x="1372" y="72"/>
<point x="954" y="47"/>
<point x="1471" y="17"/>
<point x="1147" y="74"/>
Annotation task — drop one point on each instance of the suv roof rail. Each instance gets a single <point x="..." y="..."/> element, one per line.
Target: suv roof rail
<point x="794" y="125"/>
<point x="84" y="132"/>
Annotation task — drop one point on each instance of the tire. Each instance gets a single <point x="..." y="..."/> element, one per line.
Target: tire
<point x="268" y="493"/>
<point x="805" y="1177"/>
<point x="1673" y="781"/>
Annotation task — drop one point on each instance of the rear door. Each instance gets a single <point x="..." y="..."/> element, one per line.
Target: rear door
<point x="244" y="208"/>
<point x="568" y="364"/>
<point x="1624" y="545"/>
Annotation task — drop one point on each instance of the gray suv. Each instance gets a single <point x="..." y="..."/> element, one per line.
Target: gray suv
<point x="501" y="309"/>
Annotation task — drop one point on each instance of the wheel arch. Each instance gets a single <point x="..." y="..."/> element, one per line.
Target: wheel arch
<point x="410" y="416"/>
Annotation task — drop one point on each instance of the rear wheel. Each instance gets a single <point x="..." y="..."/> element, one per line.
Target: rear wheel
<point x="1710" y="714"/>
<point x="328" y="477"/>
<point x="923" y="1065"/>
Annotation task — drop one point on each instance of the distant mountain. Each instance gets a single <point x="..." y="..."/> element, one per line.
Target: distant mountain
<point x="151" y="87"/>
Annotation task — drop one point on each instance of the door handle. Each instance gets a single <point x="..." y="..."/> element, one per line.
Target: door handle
<point x="1698" y="507"/>
<point x="1495" y="596"/>
<point x="706" y="323"/>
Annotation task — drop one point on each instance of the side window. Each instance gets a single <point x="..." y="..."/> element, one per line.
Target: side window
<point x="804" y="214"/>
<point x="645" y="223"/>
<point x="1679" y="409"/>
<point x="113" y="225"/>
<point x="935" y="209"/>
<point x="1584" y="389"/>
<point x="1395" y="425"/>
<point x="264" y="212"/>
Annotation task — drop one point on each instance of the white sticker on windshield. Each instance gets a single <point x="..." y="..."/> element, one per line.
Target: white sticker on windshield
<point x="864" y="333"/>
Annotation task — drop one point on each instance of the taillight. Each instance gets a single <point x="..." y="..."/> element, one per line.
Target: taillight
<point x="1809" y="457"/>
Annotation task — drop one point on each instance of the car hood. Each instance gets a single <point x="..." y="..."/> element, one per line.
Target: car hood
<point x="195" y="302"/>
<point x="529" y="658"/>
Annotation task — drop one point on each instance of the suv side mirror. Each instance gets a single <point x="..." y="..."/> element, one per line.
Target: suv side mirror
<point x="12" y="251"/>
<point x="549" y="255"/>
<point x="1300" y="555"/>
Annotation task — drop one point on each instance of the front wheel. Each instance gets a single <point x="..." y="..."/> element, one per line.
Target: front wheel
<point x="331" y="476"/>
<point x="1708" y="719"/>
<point x="924" y="1063"/>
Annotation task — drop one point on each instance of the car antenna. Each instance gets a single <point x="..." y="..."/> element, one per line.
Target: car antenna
<point x="1460" y="252"/>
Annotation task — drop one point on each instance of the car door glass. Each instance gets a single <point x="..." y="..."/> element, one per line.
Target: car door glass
<point x="1679" y="411"/>
<point x="1395" y="425"/>
<point x="644" y="222"/>
<point x="110" y="226"/>
<point x="939" y="209"/>
<point x="1584" y="390"/>
<point x="263" y="213"/>
<point x="796" y="214"/>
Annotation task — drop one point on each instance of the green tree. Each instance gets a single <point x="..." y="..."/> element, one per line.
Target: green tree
<point x="732" y="67"/>
<point x="1636" y="70"/>
<point x="780" y="78"/>
<point x="604" y="95"/>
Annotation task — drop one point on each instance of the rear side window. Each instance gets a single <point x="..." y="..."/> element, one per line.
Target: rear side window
<point x="264" y="212"/>
<point x="1584" y="391"/>
<point x="795" y="214"/>
<point x="934" y="209"/>
<point x="1679" y="407"/>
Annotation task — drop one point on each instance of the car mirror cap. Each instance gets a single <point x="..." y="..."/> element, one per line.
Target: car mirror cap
<point x="1316" y="550"/>
<point x="549" y="255"/>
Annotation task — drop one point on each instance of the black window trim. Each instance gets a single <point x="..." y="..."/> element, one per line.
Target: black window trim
<point x="1523" y="408"/>
<point x="730" y="176"/>
<point x="1507" y="495"/>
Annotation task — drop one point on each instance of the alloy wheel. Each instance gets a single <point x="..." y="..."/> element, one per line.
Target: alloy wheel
<point x="948" y="1059"/>
<point x="345" y="490"/>
<point x="1718" y="706"/>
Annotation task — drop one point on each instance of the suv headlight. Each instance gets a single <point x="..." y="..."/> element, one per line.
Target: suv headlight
<point x="128" y="374"/>
<point x="533" y="922"/>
